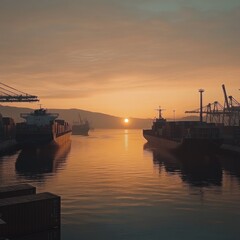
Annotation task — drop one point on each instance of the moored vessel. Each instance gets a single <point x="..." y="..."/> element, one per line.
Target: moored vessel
<point x="42" y="128"/>
<point x="81" y="127"/>
<point x="189" y="135"/>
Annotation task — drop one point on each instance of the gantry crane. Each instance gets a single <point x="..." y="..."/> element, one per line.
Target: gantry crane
<point x="227" y="114"/>
<point x="10" y="94"/>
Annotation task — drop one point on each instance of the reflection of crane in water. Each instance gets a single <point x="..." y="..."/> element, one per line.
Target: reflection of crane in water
<point x="10" y="94"/>
<point x="227" y="114"/>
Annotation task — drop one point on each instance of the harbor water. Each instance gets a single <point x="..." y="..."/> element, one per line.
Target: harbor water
<point x="114" y="185"/>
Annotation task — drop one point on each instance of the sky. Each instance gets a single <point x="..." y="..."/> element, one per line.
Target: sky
<point x="123" y="58"/>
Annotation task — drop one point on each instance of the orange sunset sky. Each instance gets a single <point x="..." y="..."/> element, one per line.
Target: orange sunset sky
<point x="123" y="58"/>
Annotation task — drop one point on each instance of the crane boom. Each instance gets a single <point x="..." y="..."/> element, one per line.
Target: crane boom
<point x="10" y="94"/>
<point x="20" y="98"/>
<point x="225" y="96"/>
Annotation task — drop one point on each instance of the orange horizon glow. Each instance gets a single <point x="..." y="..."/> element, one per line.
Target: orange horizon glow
<point x="175" y="104"/>
<point x="129" y="59"/>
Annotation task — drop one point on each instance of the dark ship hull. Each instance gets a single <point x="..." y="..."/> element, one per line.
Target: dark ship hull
<point x="30" y="138"/>
<point x="157" y="141"/>
<point x="80" y="129"/>
<point x="188" y="144"/>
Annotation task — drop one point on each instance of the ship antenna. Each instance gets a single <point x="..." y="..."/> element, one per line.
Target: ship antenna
<point x="80" y="119"/>
<point x="160" y="112"/>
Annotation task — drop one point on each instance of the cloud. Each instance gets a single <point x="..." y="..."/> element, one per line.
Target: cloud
<point x="64" y="47"/>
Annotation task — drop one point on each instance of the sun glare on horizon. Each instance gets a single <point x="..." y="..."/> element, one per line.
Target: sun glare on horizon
<point x="126" y="120"/>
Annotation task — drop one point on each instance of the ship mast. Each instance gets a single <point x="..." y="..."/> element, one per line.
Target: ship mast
<point x="80" y="119"/>
<point x="160" y="112"/>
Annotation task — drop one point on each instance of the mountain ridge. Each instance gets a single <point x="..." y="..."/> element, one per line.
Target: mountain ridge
<point x="96" y="119"/>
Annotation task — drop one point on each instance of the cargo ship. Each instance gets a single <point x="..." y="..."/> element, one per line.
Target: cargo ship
<point x="42" y="128"/>
<point x="81" y="127"/>
<point x="189" y="135"/>
<point x="7" y="134"/>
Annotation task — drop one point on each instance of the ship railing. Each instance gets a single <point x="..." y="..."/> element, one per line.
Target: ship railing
<point x="23" y="127"/>
<point x="24" y="115"/>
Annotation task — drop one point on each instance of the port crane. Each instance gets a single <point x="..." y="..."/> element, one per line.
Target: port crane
<point x="10" y="94"/>
<point x="227" y="114"/>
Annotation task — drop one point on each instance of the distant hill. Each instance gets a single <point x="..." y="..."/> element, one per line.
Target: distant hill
<point x="190" y="118"/>
<point x="97" y="120"/>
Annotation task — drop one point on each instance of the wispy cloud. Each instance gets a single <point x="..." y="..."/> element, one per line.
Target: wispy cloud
<point x="80" y="48"/>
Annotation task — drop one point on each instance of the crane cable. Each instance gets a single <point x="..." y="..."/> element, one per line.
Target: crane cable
<point x="13" y="89"/>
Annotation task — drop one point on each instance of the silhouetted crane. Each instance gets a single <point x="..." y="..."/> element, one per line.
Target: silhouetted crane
<point x="229" y="114"/>
<point x="10" y="94"/>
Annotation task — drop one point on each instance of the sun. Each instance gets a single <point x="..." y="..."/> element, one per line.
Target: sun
<point x="126" y="120"/>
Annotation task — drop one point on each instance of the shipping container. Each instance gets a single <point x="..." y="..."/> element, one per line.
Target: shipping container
<point x="60" y="121"/>
<point x="17" y="190"/>
<point x="29" y="214"/>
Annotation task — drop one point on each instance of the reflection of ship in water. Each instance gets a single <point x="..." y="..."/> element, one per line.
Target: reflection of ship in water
<point x="203" y="170"/>
<point x="35" y="162"/>
<point x="231" y="164"/>
<point x="195" y="169"/>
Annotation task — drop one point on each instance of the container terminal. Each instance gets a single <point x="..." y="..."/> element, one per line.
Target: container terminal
<point x="218" y="127"/>
<point x="226" y="117"/>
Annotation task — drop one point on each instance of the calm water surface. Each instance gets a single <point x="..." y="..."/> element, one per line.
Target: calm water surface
<point x="115" y="186"/>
